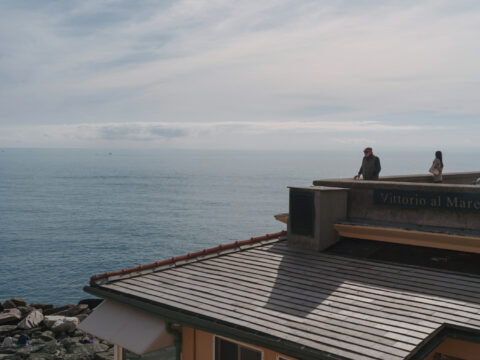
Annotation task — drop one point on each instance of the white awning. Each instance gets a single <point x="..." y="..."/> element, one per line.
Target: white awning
<point x="131" y="329"/>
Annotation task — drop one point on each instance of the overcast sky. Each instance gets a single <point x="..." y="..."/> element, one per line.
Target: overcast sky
<point x="229" y="74"/>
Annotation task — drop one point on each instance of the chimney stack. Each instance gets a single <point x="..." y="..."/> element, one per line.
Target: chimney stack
<point x="312" y="213"/>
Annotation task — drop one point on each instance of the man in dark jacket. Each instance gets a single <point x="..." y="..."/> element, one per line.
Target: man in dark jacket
<point x="370" y="166"/>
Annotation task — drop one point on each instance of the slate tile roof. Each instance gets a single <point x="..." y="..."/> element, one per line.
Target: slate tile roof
<point x="350" y="308"/>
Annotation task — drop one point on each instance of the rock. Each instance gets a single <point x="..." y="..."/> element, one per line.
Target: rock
<point x="50" y="347"/>
<point x="9" y="304"/>
<point x="61" y="323"/>
<point x="42" y="306"/>
<point x="77" y="357"/>
<point x="25" y="310"/>
<point x="18" y="302"/>
<point x="56" y="310"/>
<point x="8" y="357"/>
<point x="41" y="356"/>
<point x="92" y="303"/>
<point x="37" y="341"/>
<point x="98" y="348"/>
<point x="78" y="333"/>
<point x="31" y="321"/>
<point x="50" y="320"/>
<point x="109" y="344"/>
<point x="12" y="316"/>
<point x="27" y="350"/>
<point x="86" y="351"/>
<point x="6" y="329"/>
<point x="10" y="350"/>
<point x="47" y="335"/>
<point x="74" y="310"/>
<point x="81" y="317"/>
<point x="62" y="339"/>
<point x="107" y="355"/>
<point x="64" y="327"/>
<point x="81" y="351"/>
<point x="31" y="332"/>
<point x="69" y="342"/>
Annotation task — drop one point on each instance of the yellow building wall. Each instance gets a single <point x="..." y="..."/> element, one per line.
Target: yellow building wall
<point x="199" y="345"/>
<point x="188" y="343"/>
<point x="457" y="349"/>
<point x="204" y="345"/>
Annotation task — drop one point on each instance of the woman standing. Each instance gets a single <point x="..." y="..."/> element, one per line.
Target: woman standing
<point x="437" y="167"/>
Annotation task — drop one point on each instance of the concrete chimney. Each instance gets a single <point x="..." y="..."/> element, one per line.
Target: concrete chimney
<point x="312" y="213"/>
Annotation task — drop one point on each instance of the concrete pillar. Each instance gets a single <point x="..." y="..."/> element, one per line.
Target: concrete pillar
<point x="313" y="211"/>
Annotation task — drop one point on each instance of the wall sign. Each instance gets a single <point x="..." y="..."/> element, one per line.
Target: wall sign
<point x="428" y="199"/>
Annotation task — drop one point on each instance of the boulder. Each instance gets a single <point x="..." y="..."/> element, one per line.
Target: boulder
<point x="86" y="351"/>
<point x="9" y="304"/>
<point x="27" y="350"/>
<point x="12" y="316"/>
<point x="77" y="309"/>
<point x="80" y="351"/>
<point x="81" y="317"/>
<point x="47" y="335"/>
<point x="92" y="303"/>
<point x="32" y="320"/>
<point x="50" y="320"/>
<point x="37" y="341"/>
<point x="41" y="356"/>
<point x="31" y="332"/>
<point x="8" y="355"/>
<point x="18" y="301"/>
<point x="42" y="306"/>
<point x="50" y="347"/>
<point x="61" y="323"/>
<point x="98" y="347"/>
<point x="60" y="310"/>
<point x="70" y="342"/>
<point x="25" y="310"/>
<point x="6" y="329"/>
<point x="107" y="355"/>
<point x="77" y="357"/>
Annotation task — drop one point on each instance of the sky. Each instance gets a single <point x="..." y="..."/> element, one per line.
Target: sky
<point x="229" y="74"/>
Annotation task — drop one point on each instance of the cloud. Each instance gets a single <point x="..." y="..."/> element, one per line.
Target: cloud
<point x="162" y="132"/>
<point x="135" y="132"/>
<point x="238" y="68"/>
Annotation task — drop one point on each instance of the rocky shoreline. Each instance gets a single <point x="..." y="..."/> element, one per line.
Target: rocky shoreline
<point x="46" y="332"/>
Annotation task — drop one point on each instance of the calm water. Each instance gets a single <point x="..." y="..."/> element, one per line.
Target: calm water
<point x="68" y="214"/>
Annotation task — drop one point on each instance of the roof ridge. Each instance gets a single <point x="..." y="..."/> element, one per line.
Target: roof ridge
<point x="189" y="256"/>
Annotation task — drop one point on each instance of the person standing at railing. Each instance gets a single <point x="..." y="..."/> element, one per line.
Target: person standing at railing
<point x="437" y="167"/>
<point x="370" y="166"/>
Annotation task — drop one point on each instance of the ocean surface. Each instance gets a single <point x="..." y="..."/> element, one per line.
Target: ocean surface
<point x="68" y="214"/>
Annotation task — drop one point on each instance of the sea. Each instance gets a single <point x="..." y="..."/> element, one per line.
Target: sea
<point x="67" y="214"/>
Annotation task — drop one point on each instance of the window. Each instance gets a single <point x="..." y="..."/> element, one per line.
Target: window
<point x="228" y="350"/>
